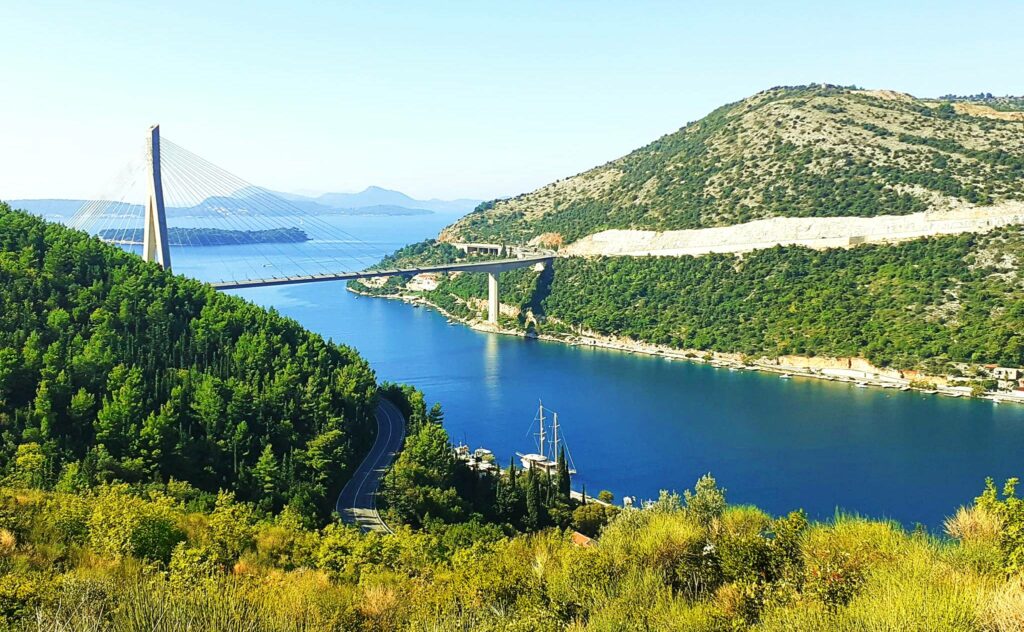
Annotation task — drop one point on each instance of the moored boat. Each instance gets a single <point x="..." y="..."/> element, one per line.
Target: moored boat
<point x="548" y="450"/>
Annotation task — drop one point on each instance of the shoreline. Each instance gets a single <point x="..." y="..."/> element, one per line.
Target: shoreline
<point x="722" y="360"/>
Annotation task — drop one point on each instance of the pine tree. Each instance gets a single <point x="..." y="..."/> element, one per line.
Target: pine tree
<point x="81" y="409"/>
<point x="266" y="474"/>
<point x="120" y="415"/>
<point x="43" y="410"/>
<point x="436" y="415"/>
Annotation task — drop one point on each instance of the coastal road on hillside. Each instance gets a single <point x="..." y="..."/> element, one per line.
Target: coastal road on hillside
<point x="357" y="503"/>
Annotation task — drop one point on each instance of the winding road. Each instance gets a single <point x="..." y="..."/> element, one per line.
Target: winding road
<point x="357" y="503"/>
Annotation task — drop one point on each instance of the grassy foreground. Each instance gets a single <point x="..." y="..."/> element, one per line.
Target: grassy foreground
<point x="114" y="559"/>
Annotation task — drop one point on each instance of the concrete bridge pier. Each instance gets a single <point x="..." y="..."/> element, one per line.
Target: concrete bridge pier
<point x="492" y="298"/>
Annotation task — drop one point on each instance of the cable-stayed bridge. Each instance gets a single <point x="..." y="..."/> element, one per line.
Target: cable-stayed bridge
<point x="233" y="234"/>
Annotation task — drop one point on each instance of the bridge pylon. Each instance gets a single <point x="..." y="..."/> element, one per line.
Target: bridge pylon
<point x="154" y="232"/>
<point x="493" y="304"/>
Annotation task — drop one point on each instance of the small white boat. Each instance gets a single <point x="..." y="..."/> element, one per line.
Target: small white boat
<point x="785" y="376"/>
<point x="861" y="385"/>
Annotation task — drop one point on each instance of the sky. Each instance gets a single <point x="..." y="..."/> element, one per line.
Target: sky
<point x="441" y="99"/>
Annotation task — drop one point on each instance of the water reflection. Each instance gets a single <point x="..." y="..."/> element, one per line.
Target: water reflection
<point x="491" y="363"/>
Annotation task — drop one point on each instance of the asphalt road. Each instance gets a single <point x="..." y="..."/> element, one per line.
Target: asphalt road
<point x="357" y="503"/>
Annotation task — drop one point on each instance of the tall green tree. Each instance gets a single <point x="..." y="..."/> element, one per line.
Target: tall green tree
<point x="121" y="412"/>
<point x="531" y="481"/>
<point x="267" y="474"/>
<point x="562" y="475"/>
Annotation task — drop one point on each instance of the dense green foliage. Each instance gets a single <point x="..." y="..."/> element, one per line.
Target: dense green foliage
<point x="165" y="450"/>
<point x="112" y="559"/>
<point x="111" y="369"/>
<point x="809" y="151"/>
<point x="428" y="487"/>
<point x="428" y="252"/>
<point x="178" y="236"/>
<point x="918" y="304"/>
<point x="894" y="305"/>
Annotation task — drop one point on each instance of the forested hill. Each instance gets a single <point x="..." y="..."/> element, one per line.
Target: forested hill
<point x="817" y="151"/>
<point x="112" y="369"/>
<point x="795" y="152"/>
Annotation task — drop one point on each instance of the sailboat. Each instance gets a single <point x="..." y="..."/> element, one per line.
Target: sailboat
<point x="546" y="457"/>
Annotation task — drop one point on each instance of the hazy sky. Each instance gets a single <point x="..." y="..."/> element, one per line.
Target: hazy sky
<point x="442" y="99"/>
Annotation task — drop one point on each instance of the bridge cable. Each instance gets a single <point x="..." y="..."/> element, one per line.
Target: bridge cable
<point x="178" y="201"/>
<point x="263" y="197"/>
<point x="220" y="190"/>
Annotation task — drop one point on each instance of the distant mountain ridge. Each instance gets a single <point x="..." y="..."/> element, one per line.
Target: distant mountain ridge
<point x="377" y="196"/>
<point x="371" y="201"/>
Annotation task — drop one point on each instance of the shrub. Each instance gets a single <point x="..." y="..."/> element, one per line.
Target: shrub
<point x="190" y="564"/>
<point x="65" y="519"/>
<point x="707" y="501"/>
<point x="1010" y="512"/>
<point x="837" y="557"/>
<point x="231" y="529"/>
<point x="124" y="525"/>
<point x="590" y="518"/>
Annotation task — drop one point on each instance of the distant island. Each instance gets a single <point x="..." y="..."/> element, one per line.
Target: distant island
<point x="209" y="236"/>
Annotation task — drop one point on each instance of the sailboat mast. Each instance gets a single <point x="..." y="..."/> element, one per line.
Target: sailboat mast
<point x="542" y="428"/>
<point x="554" y="427"/>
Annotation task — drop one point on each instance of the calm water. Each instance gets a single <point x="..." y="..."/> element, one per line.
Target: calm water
<point x="638" y="424"/>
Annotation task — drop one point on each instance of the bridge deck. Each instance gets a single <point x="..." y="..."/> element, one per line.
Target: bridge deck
<point x="496" y="265"/>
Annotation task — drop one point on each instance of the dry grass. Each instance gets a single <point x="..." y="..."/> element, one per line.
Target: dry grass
<point x="974" y="525"/>
<point x="8" y="542"/>
<point x="378" y="606"/>
<point x="1004" y="610"/>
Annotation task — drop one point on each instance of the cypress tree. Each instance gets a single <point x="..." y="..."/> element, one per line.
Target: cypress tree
<point x="506" y="495"/>
<point x="532" y="499"/>
<point x="564" y="485"/>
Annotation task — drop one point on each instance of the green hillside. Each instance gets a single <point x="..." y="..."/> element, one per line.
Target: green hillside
<point x="168" y="455"/>
<point x="790" y="152"/>
<point x="113" y="370"/>
<point x="925" y="304"/>
<point x="921" y="304"/>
